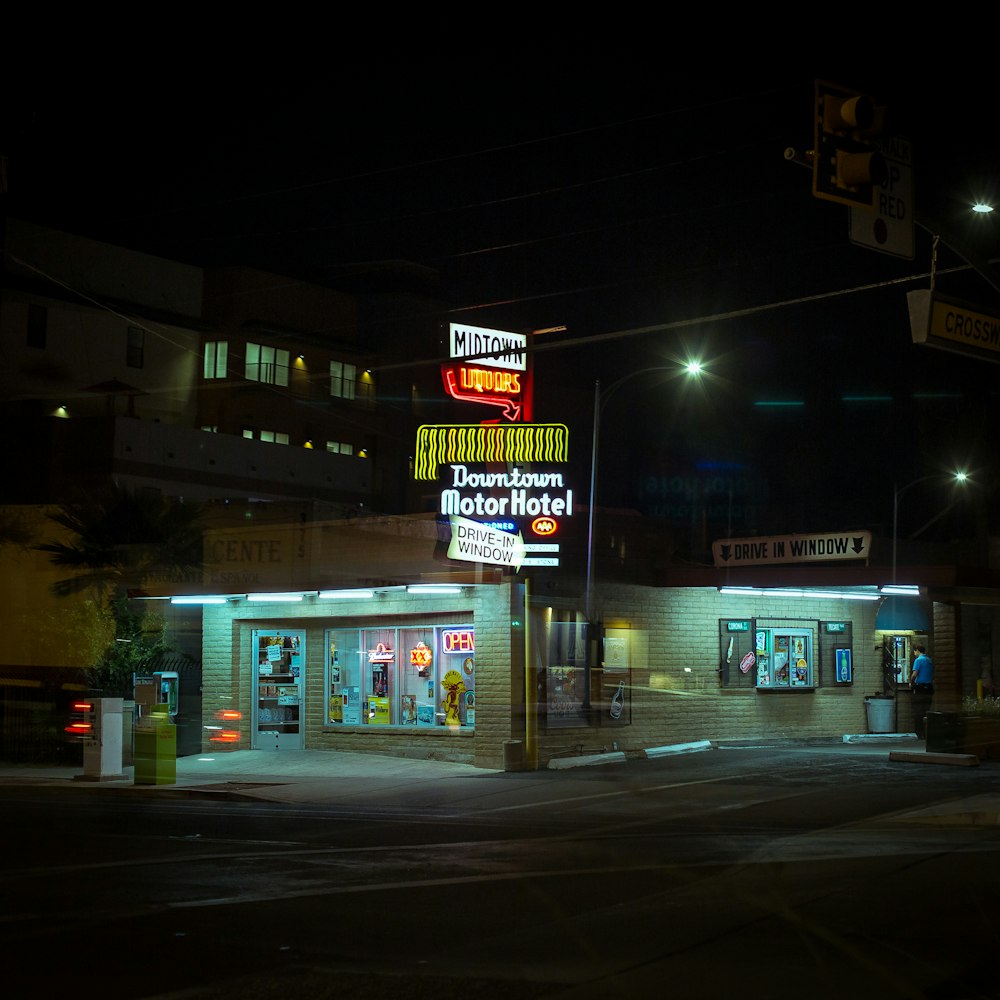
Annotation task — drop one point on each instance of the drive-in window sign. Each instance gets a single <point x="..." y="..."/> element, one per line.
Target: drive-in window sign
<point x="825" y="547"/>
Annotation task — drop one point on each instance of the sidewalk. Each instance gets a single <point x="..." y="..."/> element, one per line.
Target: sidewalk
<point x="292" y="776"/>
<point x="319" y="776"/>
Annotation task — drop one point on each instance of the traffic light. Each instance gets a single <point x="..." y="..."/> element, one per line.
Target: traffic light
<point x="846" y="165"/>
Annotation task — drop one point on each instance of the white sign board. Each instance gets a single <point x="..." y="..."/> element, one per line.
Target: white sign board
<point x="888" y="225"/>
<point x="825" y="547"/>
<point x="493" y="348"/>
<point x="473" y="541"/>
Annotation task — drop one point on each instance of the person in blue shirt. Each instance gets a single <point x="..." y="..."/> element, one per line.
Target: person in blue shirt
<point x="922" y="686"/>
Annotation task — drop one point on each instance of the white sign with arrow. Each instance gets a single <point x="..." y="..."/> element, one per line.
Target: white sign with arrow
<point x="472" y="541"/>
<point x="826" y="547"/>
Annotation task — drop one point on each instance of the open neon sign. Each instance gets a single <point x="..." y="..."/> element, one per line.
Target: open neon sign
<point x="458" y="640"/>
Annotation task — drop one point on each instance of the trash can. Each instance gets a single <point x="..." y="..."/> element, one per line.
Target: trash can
<point x="156" y="749"/>
<point x="513" y="755"/>
<point x="945" y="733"/>
<point x="880" y="714"/>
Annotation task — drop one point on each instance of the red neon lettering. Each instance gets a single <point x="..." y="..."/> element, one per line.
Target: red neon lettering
<point x="458" y="641"/>
<point x="488" y="380"/>
<point x="469" y="393"/>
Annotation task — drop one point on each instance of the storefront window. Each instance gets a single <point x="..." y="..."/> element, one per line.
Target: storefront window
<point x="417" y="676"/>
<point x="776" y="654"/>
<point x="566" y="693"/>
<point x="784" y="657"/>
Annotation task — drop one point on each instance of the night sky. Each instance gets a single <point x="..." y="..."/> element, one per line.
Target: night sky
<point x="559" y="182"/>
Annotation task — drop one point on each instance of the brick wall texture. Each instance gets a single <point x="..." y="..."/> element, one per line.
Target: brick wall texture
<point x="673" y="686"/>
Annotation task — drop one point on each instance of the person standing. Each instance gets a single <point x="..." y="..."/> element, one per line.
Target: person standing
<point x="922" y="686"/>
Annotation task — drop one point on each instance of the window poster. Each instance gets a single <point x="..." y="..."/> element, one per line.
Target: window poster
<point x="351" y="700"/>
<point x="845" y="673"/>
<point x="408" y="709"/>
<point x="616" y="649"/>
<point x="378" y="711"/>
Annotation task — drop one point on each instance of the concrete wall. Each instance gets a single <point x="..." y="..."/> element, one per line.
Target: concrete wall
<point x="679" y="628"/>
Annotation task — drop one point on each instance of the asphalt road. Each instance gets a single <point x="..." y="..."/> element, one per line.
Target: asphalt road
<point x="771" y="872"/>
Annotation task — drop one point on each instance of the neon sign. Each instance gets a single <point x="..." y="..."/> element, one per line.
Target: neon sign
<point x="442" y="444"/>
<point x="483" y="385"/>
<point x="495" y="348"/>
<point x="545" y="526"/>
<point x="381" y="654"/>
<point x="421" y="656"/>
<point x="520" y="500"/>
<point x="458" y="640"/>
<point x="486" y="380"/>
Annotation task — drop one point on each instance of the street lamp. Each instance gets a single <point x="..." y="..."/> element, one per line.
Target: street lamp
<point x="693" y="369"/>
<point x="897" y="492"/>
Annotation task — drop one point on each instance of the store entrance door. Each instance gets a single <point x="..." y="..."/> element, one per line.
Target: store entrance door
<point x="279" y="677"/>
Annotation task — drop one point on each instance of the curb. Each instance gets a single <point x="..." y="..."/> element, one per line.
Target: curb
<point x="619" y="757"/>
<point x="961" y="759"/>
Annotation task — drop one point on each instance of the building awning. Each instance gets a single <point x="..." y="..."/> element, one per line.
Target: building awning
<point x="902" y="614"/>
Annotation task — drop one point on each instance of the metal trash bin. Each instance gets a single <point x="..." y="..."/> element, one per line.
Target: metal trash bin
<point x="880" y="712"/>
<point x="513" y="755"/>
<point x="156" y="749"/>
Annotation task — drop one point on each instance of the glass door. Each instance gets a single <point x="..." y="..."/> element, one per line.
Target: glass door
<point x="279" y="658"/>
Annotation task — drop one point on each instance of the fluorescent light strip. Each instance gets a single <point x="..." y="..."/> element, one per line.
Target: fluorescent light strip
<point x="839" y="595"/>
<point x="215" y="599"/>
<point x="901" y="590"/>
<point x="433" y="588"/>
<point x="346" y="594"/>
<point x="275" y="598"/>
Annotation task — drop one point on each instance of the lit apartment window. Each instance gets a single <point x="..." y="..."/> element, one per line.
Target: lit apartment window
<point x="210" y="428"/>
<point x="275" y="437"/>
<point x="343" y="380"/>
<point x="216" y="357"/>
<point x="340" y="447"/>
<point x="135" y="346"/>
<point x="38" y="321"/>
<point x="266" y="364"/>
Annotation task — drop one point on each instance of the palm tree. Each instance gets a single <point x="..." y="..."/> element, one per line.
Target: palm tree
<point x="120" y="539"/>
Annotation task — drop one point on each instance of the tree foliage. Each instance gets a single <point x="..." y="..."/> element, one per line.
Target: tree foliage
<point x="120" y="538"/>
<point x="138" y="646"/>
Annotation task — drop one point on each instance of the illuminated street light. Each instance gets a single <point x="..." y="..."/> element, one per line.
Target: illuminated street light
<point x="959" y="477"/>
<point x="981" y="208"/>
<point x="693" y="369"/>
